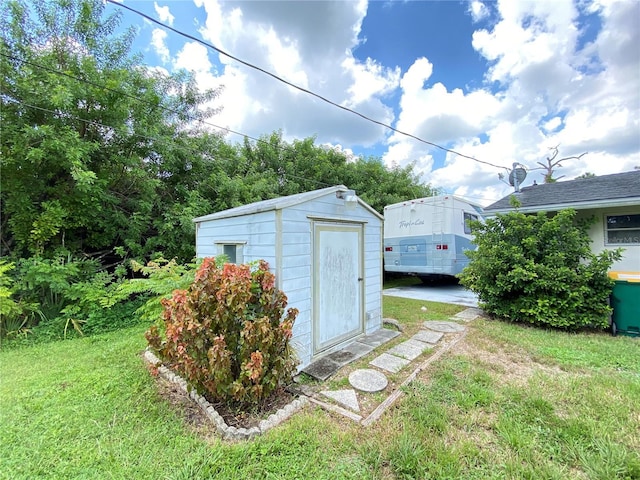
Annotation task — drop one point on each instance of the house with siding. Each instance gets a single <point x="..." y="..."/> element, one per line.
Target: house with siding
<point x="613" y="200"/>
<point x="325" y="249"/>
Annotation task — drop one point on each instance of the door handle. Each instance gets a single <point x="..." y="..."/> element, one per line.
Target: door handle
<point x="360" y="279"/>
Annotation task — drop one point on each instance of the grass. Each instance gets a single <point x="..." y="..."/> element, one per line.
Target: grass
<point x="401" y="281"/>
<point x="511" y="402"/>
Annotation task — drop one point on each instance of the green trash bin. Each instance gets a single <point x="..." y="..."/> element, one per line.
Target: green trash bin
<point x="625" y="300"/>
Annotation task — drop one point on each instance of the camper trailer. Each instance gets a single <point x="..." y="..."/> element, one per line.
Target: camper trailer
<point x="427" y="237"/>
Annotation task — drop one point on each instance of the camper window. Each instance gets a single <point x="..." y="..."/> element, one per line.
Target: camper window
<point x="467" y="221"/>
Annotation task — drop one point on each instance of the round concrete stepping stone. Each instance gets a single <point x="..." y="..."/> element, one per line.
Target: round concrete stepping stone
<point x="367" y="380"/>
<point x="445" y="327"/>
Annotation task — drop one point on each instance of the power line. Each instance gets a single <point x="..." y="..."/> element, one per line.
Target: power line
<point x="120" y="92"/>
<point x="297" y="87"/>
<point x="133" y="97"/>
<point x="154" y="139"/>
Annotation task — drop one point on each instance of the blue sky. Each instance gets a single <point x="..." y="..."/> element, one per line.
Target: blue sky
<point x="502" y="82"/>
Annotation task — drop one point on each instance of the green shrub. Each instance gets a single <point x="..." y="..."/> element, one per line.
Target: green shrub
<point x="13" y="320"/>
<point x="539" y="269"/>
<point x="162" y="277"/>
<point x="226" y="334"/>
<point x="59" y="283"/>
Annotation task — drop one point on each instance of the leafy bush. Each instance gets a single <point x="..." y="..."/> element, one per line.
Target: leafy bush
<point x="12" y="319"/>
<point x="226" y="334"/>
<point x="121" y="315"/>
<point x="539" y="269"/>
<point x="162" y="278"/>
<point x="58" y="283"/>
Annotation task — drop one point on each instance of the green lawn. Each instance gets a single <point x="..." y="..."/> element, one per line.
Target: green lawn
<point x="508" y="402"/>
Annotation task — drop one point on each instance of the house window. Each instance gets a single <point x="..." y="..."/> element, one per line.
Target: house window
<point x="623" y="229"/>
<point x="232" y="250"/>
<point x="468" y="217"/>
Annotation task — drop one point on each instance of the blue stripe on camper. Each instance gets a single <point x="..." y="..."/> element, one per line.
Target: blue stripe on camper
<point x="419" y="255"/>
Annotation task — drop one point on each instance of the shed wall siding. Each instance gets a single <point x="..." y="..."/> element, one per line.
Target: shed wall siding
<point x="257" y="230"/>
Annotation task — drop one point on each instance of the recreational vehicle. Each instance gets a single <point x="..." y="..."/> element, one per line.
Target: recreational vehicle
<point x="427" y="237"/>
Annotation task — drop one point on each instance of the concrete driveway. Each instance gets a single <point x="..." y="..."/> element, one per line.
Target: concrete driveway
<point x="455" y="294"/>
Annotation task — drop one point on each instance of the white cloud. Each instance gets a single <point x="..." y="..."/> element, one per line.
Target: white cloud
<point x="308" y="44"/>
<point x="438" y="115"/>
<point x="369" y="79"/>
<point x="553" y="91"/>
<point x="158" y="42"/>
<point x="544" y="87"/>
<point x="163" y="13"/>
<point x="193" y="57"/>
<point x="478" y="10"/>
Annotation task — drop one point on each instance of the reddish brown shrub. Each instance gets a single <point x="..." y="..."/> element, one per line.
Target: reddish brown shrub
<point x="228" y="335"/>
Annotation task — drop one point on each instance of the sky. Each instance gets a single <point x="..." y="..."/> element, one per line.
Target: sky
<point x="502" y="82"/>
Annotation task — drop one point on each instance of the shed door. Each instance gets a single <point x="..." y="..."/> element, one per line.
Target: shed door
<point x="338" y="284"/>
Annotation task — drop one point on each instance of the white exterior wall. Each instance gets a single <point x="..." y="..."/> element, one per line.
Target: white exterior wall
<point x="297" y="256"/>
<point x="402" y="221"/>
<point x="630" y="261"/>
<point x="256" y="233"/>
<point x="284" y="238"/>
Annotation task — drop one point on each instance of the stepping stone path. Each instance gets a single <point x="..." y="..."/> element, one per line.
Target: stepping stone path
<point x="368" y="380"/>
<point x="327" y="366"/>
<point x="346" y="398"/>
<point x="467" y="315"/>
<point x="428" y="337"/>
<point x="390" y="363"/>
<point x="401" y="355"/>
<point x="446" y="327"/>
<point x="411" y="349"/>
<point x="393" y="360"/>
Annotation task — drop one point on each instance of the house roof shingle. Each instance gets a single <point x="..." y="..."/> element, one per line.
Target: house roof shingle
<point x="606" y="190"/>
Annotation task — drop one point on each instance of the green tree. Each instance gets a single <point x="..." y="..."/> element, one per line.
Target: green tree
<point x="89" y="135"/>
<point x="379" y="185"/>
<point x="287" y="169"/>
<point x="539" y="269"/>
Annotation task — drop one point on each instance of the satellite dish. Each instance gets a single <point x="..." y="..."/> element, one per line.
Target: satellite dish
<point x="518" y="174"/>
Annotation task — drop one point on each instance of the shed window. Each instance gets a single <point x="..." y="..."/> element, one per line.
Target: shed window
<point x="468" y="217"/>
<point x="232" y="250"/>
<point x="623" y="229"/>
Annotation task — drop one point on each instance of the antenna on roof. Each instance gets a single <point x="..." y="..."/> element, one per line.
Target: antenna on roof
<point x="517" y="176"/>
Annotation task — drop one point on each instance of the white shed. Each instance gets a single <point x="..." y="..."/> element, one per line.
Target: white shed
<point x="325" y="248"/>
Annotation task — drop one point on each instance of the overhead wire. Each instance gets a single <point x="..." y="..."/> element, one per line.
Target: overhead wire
<point x="279" y="148"/>
<point x="297" y="87"/>
<point x="145" y="137"/>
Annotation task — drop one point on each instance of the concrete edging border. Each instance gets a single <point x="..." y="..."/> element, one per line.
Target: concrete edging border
<point x="227" y="432"/>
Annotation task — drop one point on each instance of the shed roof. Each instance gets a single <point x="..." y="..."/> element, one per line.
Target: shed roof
<point x="280" y="203"/>
<point x="619" y="189"/>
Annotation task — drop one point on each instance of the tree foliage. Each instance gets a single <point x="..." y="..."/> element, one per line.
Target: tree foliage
<point x="89" y="134"/>
<point x="103" y="156"/>
<point x="539" y="269"/>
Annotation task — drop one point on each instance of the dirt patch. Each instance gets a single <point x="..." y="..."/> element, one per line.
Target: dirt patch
<point x="184" y="406"/>
<point x="247" y="419"/>
<point x="513" y="367"/>
<point x="193" y="416"/>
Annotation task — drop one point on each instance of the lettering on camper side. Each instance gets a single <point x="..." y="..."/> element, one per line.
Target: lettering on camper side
<point x="411" y="223"/>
